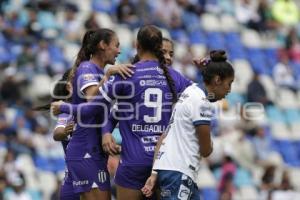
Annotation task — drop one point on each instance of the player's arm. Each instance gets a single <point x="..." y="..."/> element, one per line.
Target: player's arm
<point x="108" y="143"/>
<point x="61" y="133"/>
<point x="204" y="139"/>
<point x="147" y="190"/>
<point x="124" y="70"/>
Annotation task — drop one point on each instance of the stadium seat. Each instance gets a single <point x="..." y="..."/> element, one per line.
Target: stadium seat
<point x="215" y="40"/>
<point x="243" y="75"/>
<point x="248" y="192"/>
<point x="292" y="116"/>
<point x="209" y="194"/>
<point x="251" y="38"/>
<point x="275" y="115"/>
<point x="210" y="22"/>
<point x="105" y="20"/>
<point x="47" y="183"/>
<point x="294" y="175"/>
<point x="180" y="50"/>
<point x="288" y="152"/>
<point x="198" y="50"/>
<point x="280" y="131"/>
<point x="286" y="99"/>
<point x="269" y="86"/>
<point x="242" y="178"/>
<point x="295" y="131"/>
<point x="228" y="23"/>
<point x="125" y="36"/>
<point x="205" y="178"/>
<point x="70" y="51"/>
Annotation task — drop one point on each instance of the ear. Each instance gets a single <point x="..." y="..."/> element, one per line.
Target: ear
<point x="102" y="45"/>
<point x="217" y="80"/>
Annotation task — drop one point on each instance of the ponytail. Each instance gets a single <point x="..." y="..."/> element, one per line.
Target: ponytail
<point x="162" y="64"/>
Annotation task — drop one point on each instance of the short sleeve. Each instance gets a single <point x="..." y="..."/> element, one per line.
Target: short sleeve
<point x="113" y="88"/>
<point x="201" y="111"/>
<point x="87" y="76"/>
<point x="181" y="81"/>
<point x="62" y="120"/>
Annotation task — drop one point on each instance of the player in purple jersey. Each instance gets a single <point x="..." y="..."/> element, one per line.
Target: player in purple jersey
<point x="62" y="131"/>
<point x="86" y="161"/>
<point x="144" y="106"/>
<point x="187" y="139"/>
<point x="168" y="50"/>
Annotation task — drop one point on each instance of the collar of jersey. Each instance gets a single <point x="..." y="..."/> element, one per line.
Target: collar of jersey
<point x="202" y="87"/>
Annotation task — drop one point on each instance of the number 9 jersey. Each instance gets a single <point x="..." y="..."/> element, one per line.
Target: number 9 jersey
<point x="144" y="108"/>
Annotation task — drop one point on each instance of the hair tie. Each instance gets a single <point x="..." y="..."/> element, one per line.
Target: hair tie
<point x="204" y="61"/>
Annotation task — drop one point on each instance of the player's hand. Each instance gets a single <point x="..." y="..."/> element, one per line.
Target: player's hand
<point x="55" y="107"/>
<point x="109" y="144"/>
<point x="147" y="190"/>
<point x="69" y="128"/>
<point x="125" y="70"/>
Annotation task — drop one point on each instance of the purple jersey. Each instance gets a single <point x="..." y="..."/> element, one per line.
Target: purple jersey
<point x="86" y="138"/>
<point x="144" y="109"/>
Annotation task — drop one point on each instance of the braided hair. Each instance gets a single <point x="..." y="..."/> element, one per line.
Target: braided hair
<point x="150" y="39"/>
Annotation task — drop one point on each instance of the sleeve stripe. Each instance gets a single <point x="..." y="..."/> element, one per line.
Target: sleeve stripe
<point x="87" y="85"/>
<point x="104" y="94"/>
<point x="59" y="126"/>
<point x="201" y="122"/>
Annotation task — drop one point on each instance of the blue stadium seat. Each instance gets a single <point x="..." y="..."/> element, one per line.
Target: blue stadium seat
<point x="235" y="98"/>
<point x="215" y="40"/>
<point x="275" y="115"/>
<point x="271" y="56"/>
<point x="258" y="61"/>
<point x="242" y="178"/>
<point x="292" y="116"/>
<point x="288" y="152"/>
<point x="209" y="194"/>
<point x="197" y="37"/>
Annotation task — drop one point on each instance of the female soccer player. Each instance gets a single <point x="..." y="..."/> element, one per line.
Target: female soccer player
<point x="168" y="50"/>
<point x="63" y="132"/>
<point x="144" y="107"/>
<point x="187" y="137"/>
<point x="85" y="158"/>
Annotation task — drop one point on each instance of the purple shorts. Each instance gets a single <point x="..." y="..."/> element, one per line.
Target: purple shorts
<point x="133" y="177"/>
<point x="87" y="174"/>
<point x="66" y="189"/>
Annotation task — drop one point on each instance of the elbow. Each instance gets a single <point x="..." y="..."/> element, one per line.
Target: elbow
<point x="56" y="138"/>
<point x="205" y="153"/>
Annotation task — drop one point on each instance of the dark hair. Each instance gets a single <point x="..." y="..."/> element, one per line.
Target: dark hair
<point x="135" y="59"/>
<point x="59" y="92"/>
<point x="89" y="46"/>
<point x="168" y="40"/>
<point x="216" y="65"/>
<point x="150" y="39"/>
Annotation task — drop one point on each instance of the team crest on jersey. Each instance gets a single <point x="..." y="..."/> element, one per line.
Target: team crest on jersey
<point x="62" y="121"/>
<point x="159" y="70"/>
<point x="142" y="82"/>
<point x="88" y="77"/>
<point x="102" y="176"/>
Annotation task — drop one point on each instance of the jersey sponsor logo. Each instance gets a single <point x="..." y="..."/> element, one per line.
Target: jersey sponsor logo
<point x="148" y="128"/>
<point x="102" y="176"/>
<point x="88" y="77"/>
<point x="80" y="183"/>
<point x="147" y="69"/>
<point x="153" y="83"/>
<point x="144" y="76"/>
<point x="160" y="70"/>
<point x="206" y="115"/>
<point x="149" y="139"/>
<point x="62" y="121"/>
<point x="149" y="148"/>
<point x="183" y="193"/>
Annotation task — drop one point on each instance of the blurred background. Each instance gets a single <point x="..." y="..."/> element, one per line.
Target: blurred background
<point x="256" y="146"/>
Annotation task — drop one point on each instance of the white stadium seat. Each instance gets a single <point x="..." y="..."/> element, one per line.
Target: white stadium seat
<point x="210" y="22"/>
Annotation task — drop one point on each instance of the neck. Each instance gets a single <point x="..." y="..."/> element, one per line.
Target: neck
<point x="98" y="61"/>
<point x="210" y="92"/>
<point x="147" y="56"/>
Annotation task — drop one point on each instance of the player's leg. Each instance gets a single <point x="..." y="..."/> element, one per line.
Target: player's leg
<point x="127" y="193"/>
<point x="91" y="179"/>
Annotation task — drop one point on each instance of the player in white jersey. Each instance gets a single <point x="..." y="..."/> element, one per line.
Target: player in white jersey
<point x="187" y="137"/>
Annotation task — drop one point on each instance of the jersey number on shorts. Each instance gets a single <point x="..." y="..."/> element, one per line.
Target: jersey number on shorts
<point x="156" y="104"/>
